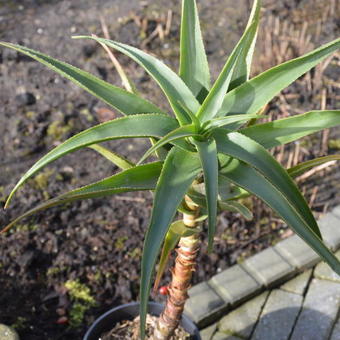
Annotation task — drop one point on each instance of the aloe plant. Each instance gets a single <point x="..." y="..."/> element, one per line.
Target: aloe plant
<point x="214" y="150"/>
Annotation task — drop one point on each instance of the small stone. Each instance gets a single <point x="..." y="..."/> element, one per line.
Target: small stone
<point x="234" y="284"/>
<point x="330" y="230"/>
<point x="8" y="333"/>
<point x="297" y="252"/>
<point x="242" y="320"/>
<point x="268" y="267"/>
<point x="25" y="98"/>
<point x="319" y="311"/>
<point x="203" y="303"/>
<point x="278" y="316"/>
<point x="207" y="333"/>
<point x="299" y="284"/>
<point x="325" y="272"/>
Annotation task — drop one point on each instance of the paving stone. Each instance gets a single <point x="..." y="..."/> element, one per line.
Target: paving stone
<point x="319" y="311"/>
<point x="207" y="333"/>
<point x="224" y="336"/>
<point x="325" y="272"/>
<point x="299" y="284"/>
<point x="330" y="230"/>
<point x="268" y="267"/>
<point x="297" y="252"/>
<point x="203" y="303"/>
<point x="8" y="333"/>
<point x="242" y="320"/>
<point x="336" y="331"/>
<point x="234" y="284"/>
<point x="336" y="211"/>
<point x="278" y="316"/>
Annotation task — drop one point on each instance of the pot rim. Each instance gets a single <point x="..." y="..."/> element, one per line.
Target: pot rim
<point x="185" y="320"/>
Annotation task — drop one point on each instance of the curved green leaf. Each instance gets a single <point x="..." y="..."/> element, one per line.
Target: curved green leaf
<point x="252" y="95"/>
<point x="287" y="130"/>
<point x="194" y="68"/>
<point x="181" y="132"/>
<point x="179" y="170"/>
<point x="299" y="169"/>
<point x="251" y="180"/>
<point x="243" y="65"/>
<point x="236" y="145"/>
<point x="213" y="102"/>
<point x="114" y="158"/>
<point x="226" y="190"/>
<point x="124" y="101"/>
<point x="143" y="177"/>
<point x="223" y="121"/>
<point x="208" y="154"/>
<point x="146" y="125"/>
<point x="171" y="84"/>
<point x="238" y="207"/>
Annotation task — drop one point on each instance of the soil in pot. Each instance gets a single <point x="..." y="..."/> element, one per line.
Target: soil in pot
<point x="129" y="330"/>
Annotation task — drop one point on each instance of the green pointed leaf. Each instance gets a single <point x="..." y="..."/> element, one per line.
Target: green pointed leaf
<point x="228" y="191"/>
<point x="172" y="85"/>
<point x="177" y="230"/>
<point x="146" y="125"/>
<point x="191" y="115"/>
<point x="181" y="132"/>
<point x="179" y="170"/>
<point x="114" y="158"/>
<point x="301" y="168"/>
<point x="224" y="121"/>
<point x="247" y="150"/>
<point x="124" y="101"/>
<point x="252" y="95"/>
<point x="287" y="130"/>
<point x="214" y="100"/>
<point x="143" y="177"/>
<point x="194" y="68"/>
<point x="251" y="180"/>
<point x="238" y="207"/>
<point x="208" y="154"/>
<point x="243" y="65"/>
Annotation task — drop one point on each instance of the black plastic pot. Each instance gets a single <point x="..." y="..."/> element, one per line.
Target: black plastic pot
<point x="128" y="312"/>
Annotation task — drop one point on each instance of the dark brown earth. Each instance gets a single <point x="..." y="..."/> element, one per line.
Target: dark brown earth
<point x="98" y="242"/>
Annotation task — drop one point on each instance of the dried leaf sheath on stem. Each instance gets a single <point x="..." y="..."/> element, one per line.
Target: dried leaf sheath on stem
<point x="185" y="264"/>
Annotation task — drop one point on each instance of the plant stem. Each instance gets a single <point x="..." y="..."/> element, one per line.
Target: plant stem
<point x="181" y="278"/>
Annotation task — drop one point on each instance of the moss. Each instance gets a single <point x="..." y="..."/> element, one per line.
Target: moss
<point x="20" y="323"/>
<point x="57" y="129"/>
<point x="55" y="270"/>
<point x="27" y="227"/>
<point x="120" y="242"/>
<point x="82" y="300"/>
<point x="42" y="179"/>
<point x="87" y="114"/>
<point x="135" y="254"/>
<point x="30" y="114"/>
<point x="79" y="291"/>
<point x="77" y="313"/>
<point x="334" y="144"/>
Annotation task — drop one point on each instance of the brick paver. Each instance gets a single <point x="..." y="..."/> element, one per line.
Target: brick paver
<point x="278" y="316"/>
<point x="319" y="311"/>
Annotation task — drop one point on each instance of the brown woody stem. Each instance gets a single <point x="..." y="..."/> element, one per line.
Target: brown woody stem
<point x="181" y="278"/>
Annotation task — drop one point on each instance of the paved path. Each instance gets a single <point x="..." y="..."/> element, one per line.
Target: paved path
<point x="282" y="293"/>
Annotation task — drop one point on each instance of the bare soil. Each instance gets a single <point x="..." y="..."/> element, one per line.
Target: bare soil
<point x="98" y="242"/>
